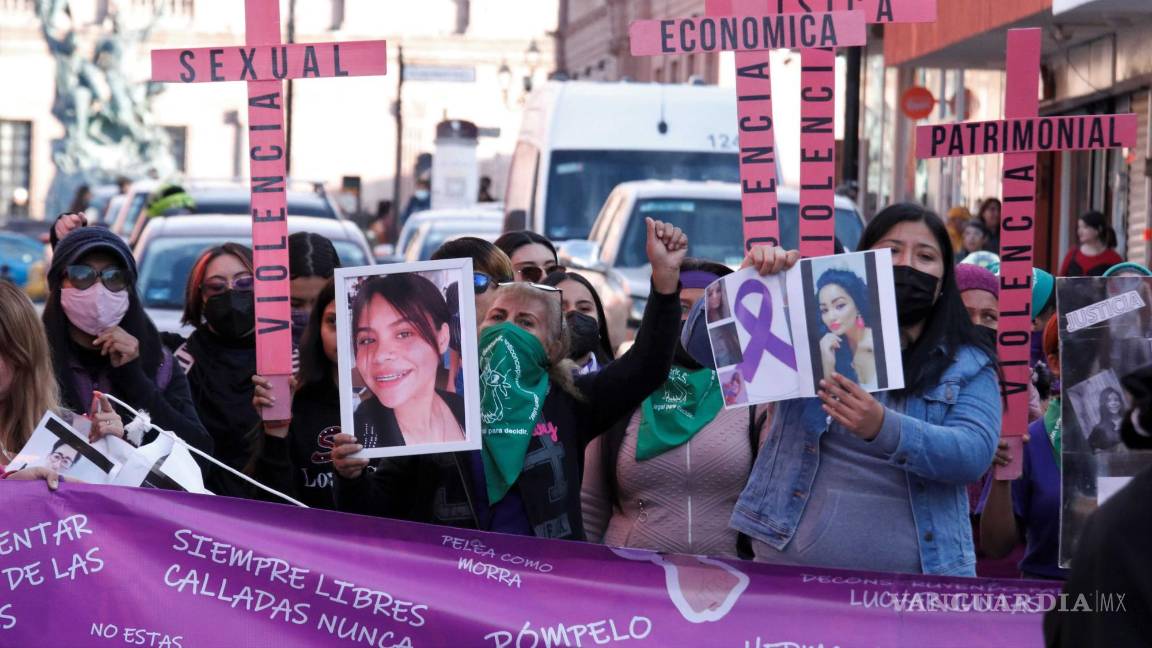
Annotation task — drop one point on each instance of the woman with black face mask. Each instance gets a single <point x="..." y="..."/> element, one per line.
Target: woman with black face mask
<point x="877" y="482"/>
<point x="668" y="477"/>
<point x="591" y="347"/>
<point x="313" y="260"/>
<point x="220" y="357"/>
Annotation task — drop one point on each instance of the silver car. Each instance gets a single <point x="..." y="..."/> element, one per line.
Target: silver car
<point x="170" y="245"/>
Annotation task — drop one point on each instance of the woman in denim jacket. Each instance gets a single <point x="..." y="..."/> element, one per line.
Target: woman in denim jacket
<point x="877" y="482"/>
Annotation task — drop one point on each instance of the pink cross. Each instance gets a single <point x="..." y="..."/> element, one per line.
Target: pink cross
<point x="747" y="28"/>
<point x="263" y="62"/>
<point x="1019" y="137"/>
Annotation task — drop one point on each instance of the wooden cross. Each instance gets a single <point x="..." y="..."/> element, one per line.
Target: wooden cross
<point x="1020" y="136"/>
<point x="264" y="62"/>
<point x="743" y="27"/>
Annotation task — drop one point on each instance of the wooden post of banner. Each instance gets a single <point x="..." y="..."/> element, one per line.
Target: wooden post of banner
<point x="1020" y="136"/>
<point x="817" y="227"/>
<point x="742" y="26"/>
<point x="264" y="63"/>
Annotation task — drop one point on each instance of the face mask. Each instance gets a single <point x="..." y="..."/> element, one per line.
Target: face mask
<point x="94" y="310"/>
<point x="299" y="323"/>
<point x="232" y="315"/>
<point x="422" y="194"/>
<point x="915" y="294"/>
<point x="987" y="335"/>
<point x="584" y="332"/>
<point x="694" y="337"/>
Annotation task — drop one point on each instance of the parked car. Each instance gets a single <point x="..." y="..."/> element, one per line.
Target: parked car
<point x="432" y="233"/>
<point x="614" y="259"/>
<point x="22" y="263"/>
<point x="304" y="199"/>
<point x="579" y="139"/>
<point x="170" y="246"/>
<point x="414" y="223"/>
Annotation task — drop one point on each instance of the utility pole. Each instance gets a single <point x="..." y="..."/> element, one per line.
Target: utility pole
<point x="850" y="162"/>
<point x="291" y="96"/>
<point x="398" y="112"/>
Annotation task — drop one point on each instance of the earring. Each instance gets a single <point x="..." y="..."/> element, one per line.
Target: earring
<point x="860" y="322"/>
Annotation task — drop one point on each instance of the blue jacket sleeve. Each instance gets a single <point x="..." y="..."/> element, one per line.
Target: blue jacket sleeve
<point x="958" y="451"/>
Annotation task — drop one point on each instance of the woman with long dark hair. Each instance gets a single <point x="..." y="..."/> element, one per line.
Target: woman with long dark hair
<point x="313" y="260"/>
<point x="587" y="325"/>
<point x="1106" y="434"/>
<point x="846" y="323"/>
<point x="103" y="341"/>
<point x="989" y="215"/>
<point x="400" y="331"/>
<point x="533" y="256"/>
<point x="1095" y="249"/>
<point x="877" y="481"/>
<point x="296" y="457"/>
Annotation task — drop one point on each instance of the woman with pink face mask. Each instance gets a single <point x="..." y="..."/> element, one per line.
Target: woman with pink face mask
<point x="103" y="341"/>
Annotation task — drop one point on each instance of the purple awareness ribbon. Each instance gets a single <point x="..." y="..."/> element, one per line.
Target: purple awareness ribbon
<point x="759" y="327"/>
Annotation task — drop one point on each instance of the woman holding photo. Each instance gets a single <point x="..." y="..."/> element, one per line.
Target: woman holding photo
<point x="845" y="312"/>
<point x="877" y="482"/>
<point x="400" y="332"/>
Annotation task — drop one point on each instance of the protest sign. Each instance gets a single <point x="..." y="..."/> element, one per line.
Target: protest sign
<point x="1019" y="136"/>
<point x="63" y="446"/>
<point x="399" y="340"/>
<point x="776" y="337"/>
<point x="1105" y="334"/>
<point x="110" y="566"/>
<point x="263" y="63"/>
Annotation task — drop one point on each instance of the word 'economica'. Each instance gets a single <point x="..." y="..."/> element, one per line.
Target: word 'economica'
<point x="1103" y="311"/>
<point x="1043" y="134"/>
<point x="746" y="33"/>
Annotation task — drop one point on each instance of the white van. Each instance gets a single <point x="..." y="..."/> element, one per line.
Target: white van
<point x="579" y="139"/>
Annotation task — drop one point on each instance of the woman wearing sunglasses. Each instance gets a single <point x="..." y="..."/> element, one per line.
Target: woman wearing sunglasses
<point x="103" y="341"/>
<point x="533" y="256"/>
<point x="220" y="356"/>
<point x="537" y="416"/>
<point x="491" y="267"/>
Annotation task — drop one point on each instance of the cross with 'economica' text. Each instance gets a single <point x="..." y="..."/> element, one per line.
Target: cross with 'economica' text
<point x="263" y="62"/>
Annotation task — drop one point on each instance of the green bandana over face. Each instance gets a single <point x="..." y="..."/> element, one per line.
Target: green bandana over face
<point x="676" y="411"/>
<point x="1052" y="427"/>
<point x="513" y="384"/>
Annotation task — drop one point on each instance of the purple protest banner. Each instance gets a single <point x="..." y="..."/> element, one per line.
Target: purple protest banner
<point x="95" y="566"/>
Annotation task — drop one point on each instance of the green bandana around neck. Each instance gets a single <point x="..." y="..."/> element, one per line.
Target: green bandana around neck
<point x="513" y="385"/>
<point x="675" y="412"/>
<point x="1052" y="426"/>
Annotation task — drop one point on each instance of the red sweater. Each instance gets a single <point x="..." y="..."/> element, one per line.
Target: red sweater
<point x="1078" y="264"/>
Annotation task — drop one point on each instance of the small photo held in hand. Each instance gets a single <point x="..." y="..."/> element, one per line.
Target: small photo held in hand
<point x="55" y="444"/>
<point x="851" y="326"/>
<point x="717" y="305"/>
<point x="402" y="353"/>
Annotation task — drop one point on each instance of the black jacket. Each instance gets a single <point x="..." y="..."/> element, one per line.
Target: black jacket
<point x="300" y="465"/>
<point x="437" y="488"/>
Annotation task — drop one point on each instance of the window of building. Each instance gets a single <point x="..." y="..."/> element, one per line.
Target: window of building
<point x="15" y="167"/>
<point x="179" y="137"/>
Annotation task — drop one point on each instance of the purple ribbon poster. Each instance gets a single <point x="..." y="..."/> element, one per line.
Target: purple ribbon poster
<point x="110" y="566"/>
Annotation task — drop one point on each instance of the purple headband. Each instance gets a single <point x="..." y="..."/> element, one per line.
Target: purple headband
<point x="697" y="279"/>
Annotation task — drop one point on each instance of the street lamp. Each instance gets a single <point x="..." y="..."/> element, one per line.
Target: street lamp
<point x="532" y="56"/>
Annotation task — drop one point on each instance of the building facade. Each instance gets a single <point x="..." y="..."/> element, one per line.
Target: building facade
<point x="1096" y="58"/>
<point x="468" y="59"/>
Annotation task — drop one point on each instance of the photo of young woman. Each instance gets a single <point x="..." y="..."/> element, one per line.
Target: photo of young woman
<point x="846" y="325"/>
<point x="396" y="330"/>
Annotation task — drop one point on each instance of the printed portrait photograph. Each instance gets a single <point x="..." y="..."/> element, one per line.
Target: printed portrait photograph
<point x="1100" y="406"/>
<point x="717" y="304"/>
<point x="733" y="388"/>
<point x="726" y="344"/>
<point x="851" y="326"/>
<point x="57" y="445"/>
<point x="408" y="370"/>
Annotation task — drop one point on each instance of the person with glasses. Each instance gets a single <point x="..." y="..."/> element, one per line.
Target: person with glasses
<point x="490" y="266"/>
<point x="103" y="341"/>
<point x="527" y="481"/>
<point x="533" y="256"/>
<point x="61" y="458"/>
<point x="220" y="357"/>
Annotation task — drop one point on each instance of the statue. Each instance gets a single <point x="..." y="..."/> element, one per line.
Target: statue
<point x="107" y="119"/>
